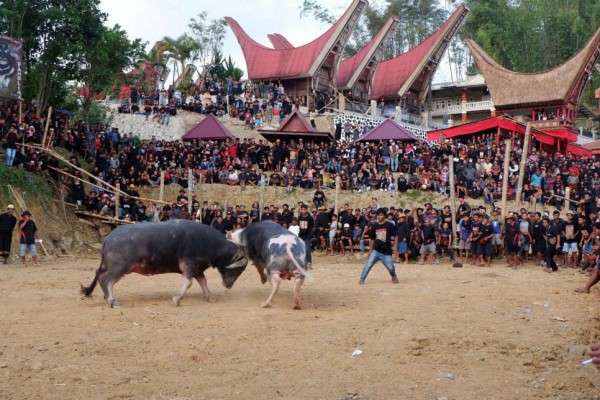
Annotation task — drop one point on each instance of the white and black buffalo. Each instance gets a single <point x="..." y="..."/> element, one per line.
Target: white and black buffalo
<point x="277" y="251"/>
<point x="184" y="247"/>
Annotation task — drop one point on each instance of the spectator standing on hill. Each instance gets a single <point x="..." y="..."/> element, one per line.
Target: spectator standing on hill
<point x="28" y="234"/>
<point x="7" y="225"/>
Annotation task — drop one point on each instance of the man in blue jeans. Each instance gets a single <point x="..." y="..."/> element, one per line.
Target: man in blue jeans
<point x="382" y="244"/>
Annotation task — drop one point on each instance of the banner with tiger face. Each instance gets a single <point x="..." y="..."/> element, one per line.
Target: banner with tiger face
<point x="10" y="67"/>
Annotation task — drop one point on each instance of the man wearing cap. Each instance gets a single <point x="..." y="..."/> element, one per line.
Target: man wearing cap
<point x="382" y="235"/>
<point x="7" y="225"/>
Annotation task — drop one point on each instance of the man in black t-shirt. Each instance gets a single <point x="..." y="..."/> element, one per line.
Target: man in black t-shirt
<point x="551" y="235"/>
<point x="306" y="224"/>
<point x="383" y="241"/>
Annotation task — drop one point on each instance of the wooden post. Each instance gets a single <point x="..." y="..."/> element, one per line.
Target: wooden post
<point x="117" y="205"/>
<point x="261" y="197"/>
<point x="523" y="164"/>
<point x="190" y="188"/>
<point x="507" y="144"/>
<point x="452" y="199"/>
<point x="161" y="195"/>
<point x="20" y="112"/>
<point x="47" y="127"/>
<point x="567" y="206"/>
<point x="338" y="183"/>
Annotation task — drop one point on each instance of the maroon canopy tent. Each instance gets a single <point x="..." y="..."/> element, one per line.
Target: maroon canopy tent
<point x="210" y="128"/>
<point x="296" y="127"/>
<point x="388" y="130"/>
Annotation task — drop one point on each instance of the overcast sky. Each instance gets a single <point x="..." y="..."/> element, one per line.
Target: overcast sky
<point x="151" y="20"/>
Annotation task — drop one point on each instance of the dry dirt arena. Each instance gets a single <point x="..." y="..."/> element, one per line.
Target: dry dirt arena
<point x="442" y="333"/>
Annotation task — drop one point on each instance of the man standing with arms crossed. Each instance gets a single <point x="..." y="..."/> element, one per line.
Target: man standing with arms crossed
<point x="382" y="244"/>
<point x="7" y="226"/>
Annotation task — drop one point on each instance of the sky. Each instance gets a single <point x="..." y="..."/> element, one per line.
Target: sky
<point x="151" y="20"/>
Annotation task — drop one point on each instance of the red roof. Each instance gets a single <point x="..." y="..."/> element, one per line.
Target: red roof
<point x="279" y="41"/>
<point x="210" y="128"/>
<point x="349" y="66"/>
<point x="388" y="130"/>
<point x="394" y="77"/>
<point x="296" y="123"/>
<point x="489" y="124"/>
<point x="264" y="63"/>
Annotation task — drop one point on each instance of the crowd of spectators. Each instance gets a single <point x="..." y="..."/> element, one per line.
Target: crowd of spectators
<point x="361" y="166"/>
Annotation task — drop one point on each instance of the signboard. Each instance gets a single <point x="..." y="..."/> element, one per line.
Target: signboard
<point x="10" y="67"/>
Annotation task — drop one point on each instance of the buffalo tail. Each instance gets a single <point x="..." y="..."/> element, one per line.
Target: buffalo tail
<point x="290" y="254"/>
<point x="87" y="291"/>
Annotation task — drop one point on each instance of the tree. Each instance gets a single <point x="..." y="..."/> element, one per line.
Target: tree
<point x="231" y="71"/>
<point x="209" y="35"/>
<point x="533" y="35"/>
<point x="111" y="53"/>
<point x="63" y="41"/>
<point x="418" y="18"/>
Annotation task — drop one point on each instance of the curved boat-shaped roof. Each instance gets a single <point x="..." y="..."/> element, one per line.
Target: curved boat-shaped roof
<point x="559" y="85"/>
<point x="264" y="63"/>
<point x="393" y="78"/>
<point x="351" y="68"/>
<point x="279" y="41"/>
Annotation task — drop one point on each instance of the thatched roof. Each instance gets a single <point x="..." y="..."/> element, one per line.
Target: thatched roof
<point x="560" y="85"/>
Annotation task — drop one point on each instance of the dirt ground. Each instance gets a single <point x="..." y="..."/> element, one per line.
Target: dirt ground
<point x="442" y="333"/>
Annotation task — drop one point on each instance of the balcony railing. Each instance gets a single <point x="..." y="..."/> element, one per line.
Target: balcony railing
<point x="453" y="109"/>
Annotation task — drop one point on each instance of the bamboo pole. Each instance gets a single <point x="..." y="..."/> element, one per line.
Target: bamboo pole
<point x="117" y="205"/>
<point x="452" y="199"/>
<point x="189" y="188"/>
<point x="507" y="144"/>
<point x="567" y="205"/>
<point x="47" y="127"/>
<point x="261" y="198"/>
<point x="338" y="183"/>
<point x="106" y="184"/>
<point x="108" y="189"/>
<point x="523" y="165"/>
<point x="161" y="195"/>
<point x="20" y="112"/>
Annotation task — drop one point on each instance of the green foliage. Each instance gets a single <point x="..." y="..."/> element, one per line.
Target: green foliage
<point x="34" y="185"/>
<point x="532" y="35"/>
<point x="209" y="35"/>
<point x="109" y="55"/>
<point x="418" y="18"/>
<point x="93" y="115"/>
<point x="231" y="71"/>
<point x="65" y="41"/>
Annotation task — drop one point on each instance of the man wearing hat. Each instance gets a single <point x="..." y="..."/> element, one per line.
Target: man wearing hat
<point x="382" y="244"/>
<point x="7" y="225"/>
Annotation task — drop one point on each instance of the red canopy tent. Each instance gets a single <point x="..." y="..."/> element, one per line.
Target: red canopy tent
<point x="490" y="124"/>
<point x="210" y="128"/>
<point x="388" y="130"/>
<point x="579" y="151"/>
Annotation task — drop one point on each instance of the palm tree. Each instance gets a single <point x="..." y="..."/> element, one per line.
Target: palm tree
<point x="232" y="71"/>
<point x="182" y="51"/>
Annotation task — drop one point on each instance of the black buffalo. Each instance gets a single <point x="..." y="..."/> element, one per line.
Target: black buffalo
<point x="179" y="246"/>
<point x="276" y="250"/>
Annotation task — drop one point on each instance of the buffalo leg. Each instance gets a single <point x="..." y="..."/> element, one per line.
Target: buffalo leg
<point x="204" y="286"/>
<point x="261" y="272"/>
<point x="275" y="282"/>
<point x="297" y="286"/>
<point x="107" y="281"/>
<point x="185" y="285"/>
